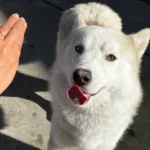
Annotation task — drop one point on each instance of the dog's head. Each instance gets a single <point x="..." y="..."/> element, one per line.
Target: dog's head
<point x="93" y="53"/>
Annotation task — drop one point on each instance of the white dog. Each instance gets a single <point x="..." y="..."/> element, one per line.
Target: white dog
<point x="95" y="83"/>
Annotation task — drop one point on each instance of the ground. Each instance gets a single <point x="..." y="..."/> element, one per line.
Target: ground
<point x="25" y="109"/>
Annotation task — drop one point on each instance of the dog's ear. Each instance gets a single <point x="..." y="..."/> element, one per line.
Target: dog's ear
<point x="69" y="21"/>
<point x="86" y="15"/>
<point x="140" y="41"/>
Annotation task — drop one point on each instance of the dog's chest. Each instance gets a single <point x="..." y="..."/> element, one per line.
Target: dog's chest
<point x="91" y="129"/>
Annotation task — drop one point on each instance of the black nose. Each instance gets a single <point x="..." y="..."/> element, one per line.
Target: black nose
<point x="82" y="77"/>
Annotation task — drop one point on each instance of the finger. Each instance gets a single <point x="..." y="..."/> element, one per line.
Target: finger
<point x="17" y="49"/>
<point x="5" y="28"/>
<point x="16" y="34"/>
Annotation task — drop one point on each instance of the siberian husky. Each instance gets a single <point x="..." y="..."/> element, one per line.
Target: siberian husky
<point x="95" y="83"/>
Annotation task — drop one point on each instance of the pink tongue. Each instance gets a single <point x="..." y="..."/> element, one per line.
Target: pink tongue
<point x="76" y="95"/>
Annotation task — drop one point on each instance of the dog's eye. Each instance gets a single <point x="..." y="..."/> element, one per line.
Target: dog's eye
<point x="111" y="57"/>
<point x="79" y="49"/>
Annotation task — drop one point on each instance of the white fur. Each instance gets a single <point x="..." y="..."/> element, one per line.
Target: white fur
<point x="101" y="122"/>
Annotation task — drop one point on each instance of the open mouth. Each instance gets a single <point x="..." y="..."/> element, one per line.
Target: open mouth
<point x="77" y="95"/>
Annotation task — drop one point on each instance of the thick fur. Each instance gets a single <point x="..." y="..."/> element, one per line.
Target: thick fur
<point x="101" y="122"/>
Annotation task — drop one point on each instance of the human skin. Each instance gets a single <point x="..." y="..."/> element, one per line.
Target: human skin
<point x="11" y="40"/>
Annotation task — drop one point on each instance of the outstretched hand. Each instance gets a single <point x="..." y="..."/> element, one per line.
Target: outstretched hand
<point x="11" y="40"/>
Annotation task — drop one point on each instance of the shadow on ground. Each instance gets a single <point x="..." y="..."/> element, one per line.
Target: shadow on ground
<point x="39" y="45"/>
<point x="9" y="143"/>
<point x="6" y="142"/>
<point x="40" y="37"/>
<point x="2" y="119"/>
<point x="24" y="86"/>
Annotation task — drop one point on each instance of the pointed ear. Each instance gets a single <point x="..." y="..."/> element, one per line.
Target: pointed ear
<point x="69" y="21"/>
<point x="141" y="41"/>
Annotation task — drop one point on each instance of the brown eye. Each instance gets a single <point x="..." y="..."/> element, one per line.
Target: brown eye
<point x="79" y="49"/>
<point x="111" y="57"/>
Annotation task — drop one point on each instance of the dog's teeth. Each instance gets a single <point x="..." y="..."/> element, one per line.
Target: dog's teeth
<point x="76" y="101"/>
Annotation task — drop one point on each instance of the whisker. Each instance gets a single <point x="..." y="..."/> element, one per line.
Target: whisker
<point x="54" y="70"/>
<point x="74" y="63"/>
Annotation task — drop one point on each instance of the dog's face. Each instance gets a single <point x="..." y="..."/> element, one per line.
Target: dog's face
<point x="92" y="51"/>
<point x="93" y="55"/>
<point x="95" y="58"/>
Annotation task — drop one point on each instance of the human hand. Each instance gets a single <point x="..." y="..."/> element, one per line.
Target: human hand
<point x="11" y="40"/>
